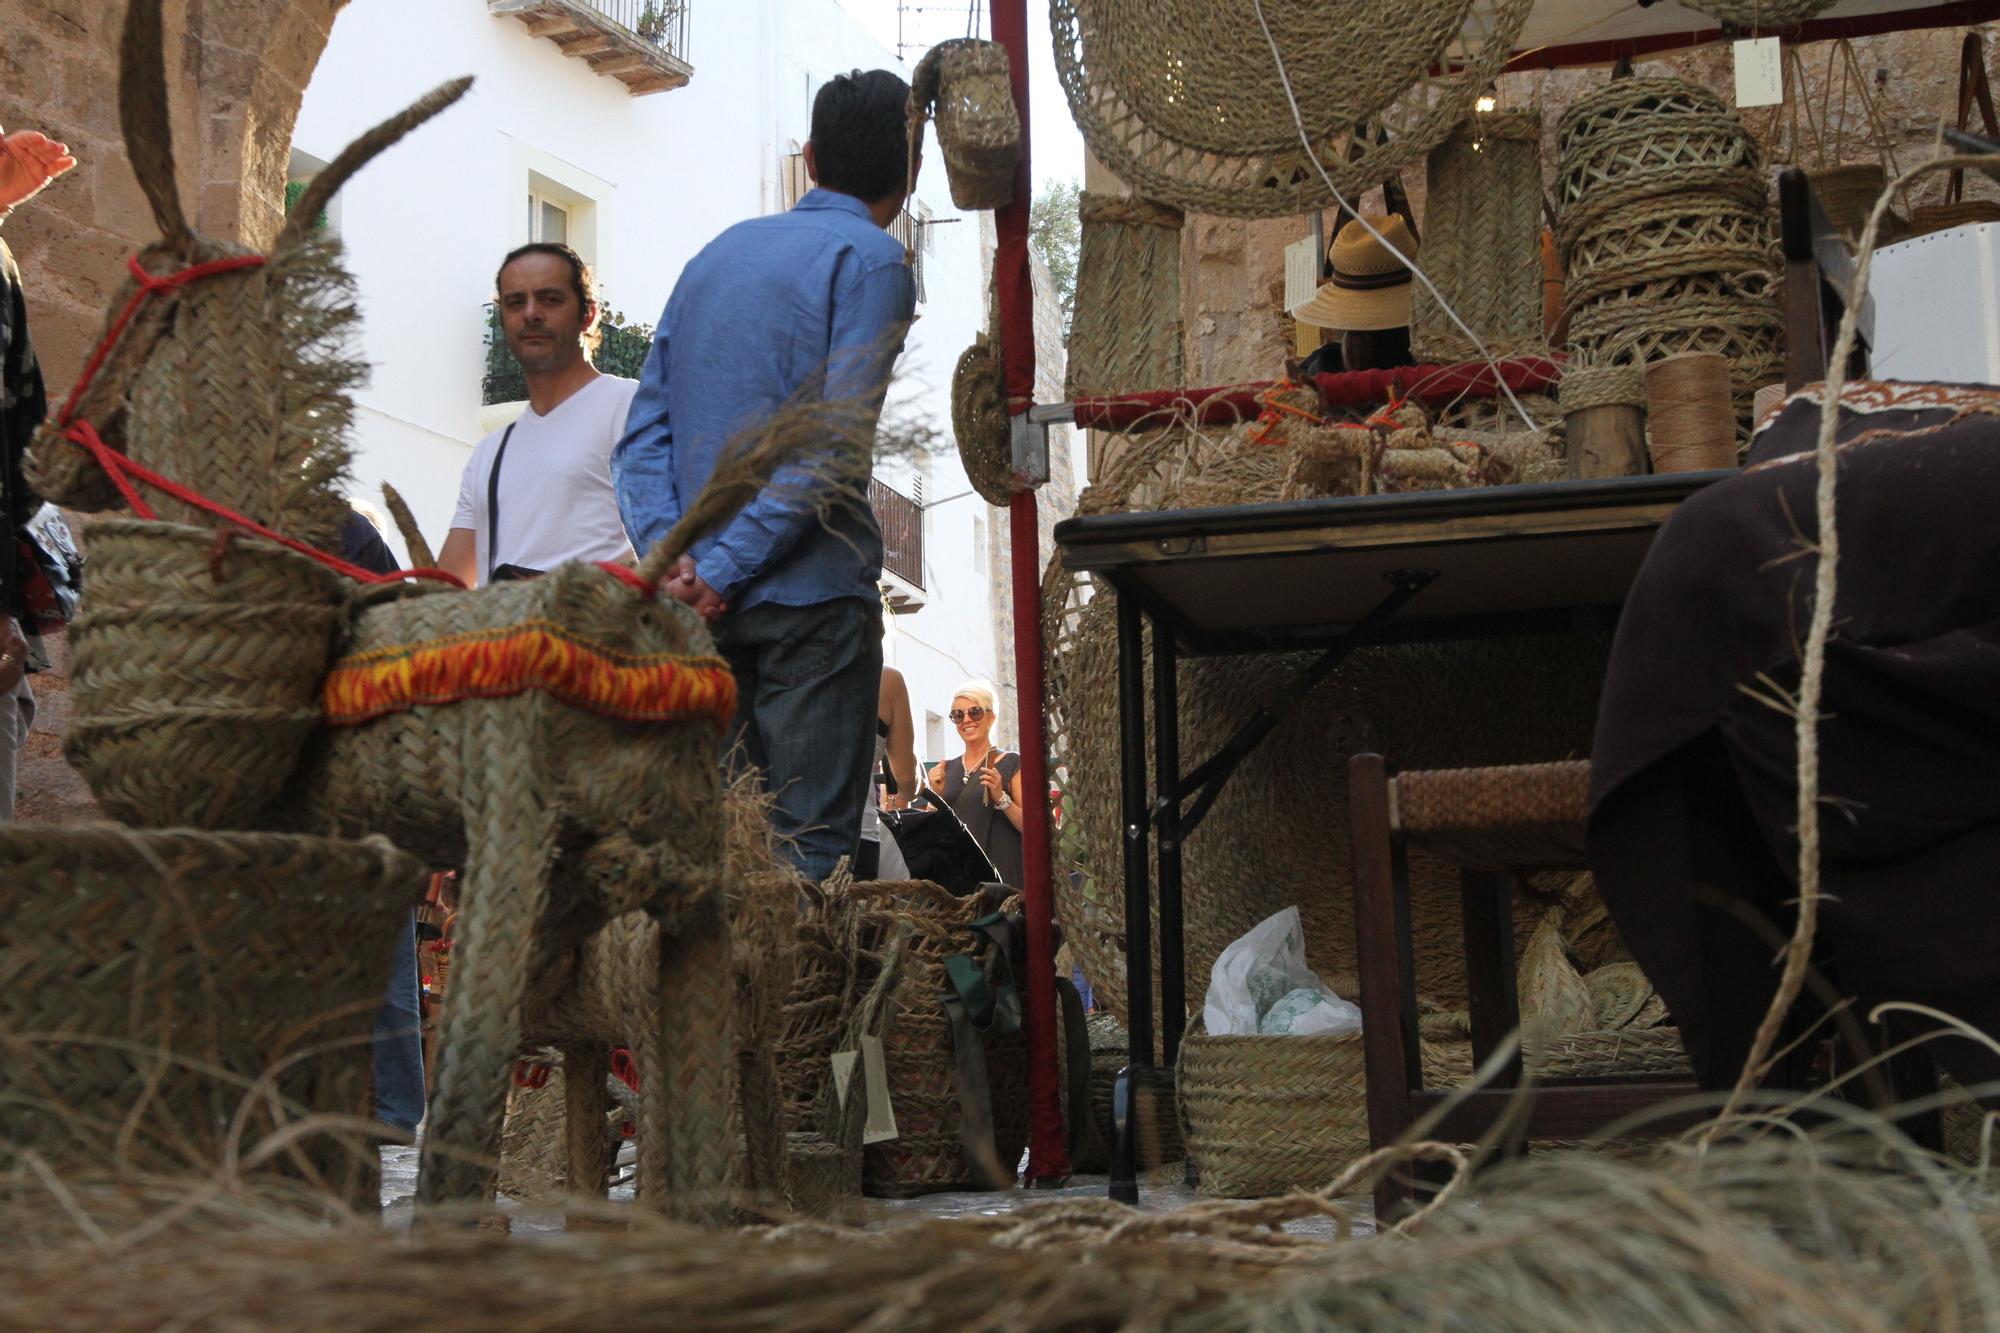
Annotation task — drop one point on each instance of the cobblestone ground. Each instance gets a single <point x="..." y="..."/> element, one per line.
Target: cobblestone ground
<point x="1163" y="1191"/>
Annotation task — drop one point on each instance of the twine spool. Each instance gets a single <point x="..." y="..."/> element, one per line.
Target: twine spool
<point x="1693" y="423"/>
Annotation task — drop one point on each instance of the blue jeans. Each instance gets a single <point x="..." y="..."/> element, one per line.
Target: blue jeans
<point x="399" y="1039"/>
<point x="808" y="679"/>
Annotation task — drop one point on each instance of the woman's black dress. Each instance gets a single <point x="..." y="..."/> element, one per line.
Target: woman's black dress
<point x="989" y="825"/>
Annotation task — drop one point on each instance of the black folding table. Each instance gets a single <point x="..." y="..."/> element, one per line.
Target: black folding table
<point x="1329" y="575"/>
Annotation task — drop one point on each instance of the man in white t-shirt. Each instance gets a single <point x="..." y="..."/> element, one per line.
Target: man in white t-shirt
<point x="539" y="492"/>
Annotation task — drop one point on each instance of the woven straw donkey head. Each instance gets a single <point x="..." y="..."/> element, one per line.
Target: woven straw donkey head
<point x="231" y="373"/>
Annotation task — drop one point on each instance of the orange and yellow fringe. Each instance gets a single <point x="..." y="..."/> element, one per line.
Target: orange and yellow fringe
<point x="534" y="655"/>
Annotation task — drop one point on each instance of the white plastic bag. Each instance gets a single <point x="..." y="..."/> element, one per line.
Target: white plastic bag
<point x="1264" y="975"/>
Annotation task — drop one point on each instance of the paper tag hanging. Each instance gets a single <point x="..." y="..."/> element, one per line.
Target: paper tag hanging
<point x="1301" y="271"/>
<point x="1760" y="72"/>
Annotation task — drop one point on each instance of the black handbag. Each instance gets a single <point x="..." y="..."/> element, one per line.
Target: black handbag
<point x="938" y="847"/>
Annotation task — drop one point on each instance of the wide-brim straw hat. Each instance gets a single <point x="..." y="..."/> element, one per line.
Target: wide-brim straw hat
<point x="1370" y="288"/>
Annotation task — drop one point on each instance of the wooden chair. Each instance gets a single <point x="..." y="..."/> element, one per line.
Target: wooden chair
<point x="1492" y="823"/>
<point x="1819" y="272"/>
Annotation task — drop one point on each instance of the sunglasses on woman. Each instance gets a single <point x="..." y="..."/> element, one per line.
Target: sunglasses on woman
<point x="959" y="715"/>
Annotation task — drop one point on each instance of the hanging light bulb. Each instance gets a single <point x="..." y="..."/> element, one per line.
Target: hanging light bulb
<point x="1487" y="102"/>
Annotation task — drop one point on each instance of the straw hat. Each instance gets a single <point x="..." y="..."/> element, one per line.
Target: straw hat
<point x="1370" y="287"/>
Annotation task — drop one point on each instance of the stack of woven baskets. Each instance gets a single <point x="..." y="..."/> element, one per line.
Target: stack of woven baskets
<point x="1666" y="233"/>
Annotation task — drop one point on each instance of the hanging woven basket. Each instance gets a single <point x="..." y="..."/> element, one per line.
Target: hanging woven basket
<point x="968" y="84"/>
<point x="1762" y="15"/>
<point x="1183" y="100"/>
<point x="1125" y="334"/>
<point x="979" y="420"/>
<point x="1483" y="223"/>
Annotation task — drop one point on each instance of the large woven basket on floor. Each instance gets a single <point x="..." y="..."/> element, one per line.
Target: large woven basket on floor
<point x="173" y="999"/>
<point x="1269" y="1114"/>
<point x="1482" y="240"/>
<point x="927" y="1155"/>
<point x="1125" y="334"/>
<point x="197" y="673"/>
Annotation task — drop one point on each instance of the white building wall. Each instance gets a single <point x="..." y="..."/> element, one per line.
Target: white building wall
<point x="654" y="179"/>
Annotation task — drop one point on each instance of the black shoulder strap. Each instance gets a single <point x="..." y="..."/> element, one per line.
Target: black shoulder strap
<point x="493" y="503"/>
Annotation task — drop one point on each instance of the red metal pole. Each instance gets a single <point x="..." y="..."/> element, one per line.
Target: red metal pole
<point x="1048" y="1160"/>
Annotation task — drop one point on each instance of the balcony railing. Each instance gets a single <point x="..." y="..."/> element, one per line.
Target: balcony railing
<point x="902" y="522"/>
<point x="621" y="351"/>
<point x="641" y="43"/>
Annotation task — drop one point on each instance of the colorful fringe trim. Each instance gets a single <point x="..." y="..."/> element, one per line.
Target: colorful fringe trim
<point x="534" y="655"/>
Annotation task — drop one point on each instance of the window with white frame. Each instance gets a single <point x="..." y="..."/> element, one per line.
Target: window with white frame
<point x="548" y="218"/>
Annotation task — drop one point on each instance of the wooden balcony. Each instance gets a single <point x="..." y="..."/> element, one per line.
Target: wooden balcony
<point x="640" y="43"/>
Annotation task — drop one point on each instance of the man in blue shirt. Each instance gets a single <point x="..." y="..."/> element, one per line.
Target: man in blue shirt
<point x="819" y="296"/>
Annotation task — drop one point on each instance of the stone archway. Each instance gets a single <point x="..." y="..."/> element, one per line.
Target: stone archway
<point x="236" y="74"/>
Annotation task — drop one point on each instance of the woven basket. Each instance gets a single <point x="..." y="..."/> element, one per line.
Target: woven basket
<point x="1183" y="101"/>
<point x="1270" y="1114"/>
<point x="182" y="970"/>
<point x="1764" y="14"/>
<point x="822" y="1178"/>
<point x="1160" y="1139"/>
<point x="927" y="1156"/>
<point x="1927" y="218"/>
<point x="1126" y="332"/>
<point x="197" y="672"/>
<point x="1483" y="227"/>
<point x="979" y="128"/>
<point x="979" y="422"/>
<point x="534" y="1144"/>
<point x="1847" y="193"/>
<point x="1637" y="139"/>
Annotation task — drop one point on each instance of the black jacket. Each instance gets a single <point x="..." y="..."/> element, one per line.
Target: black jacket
<point x="22" y="406"/>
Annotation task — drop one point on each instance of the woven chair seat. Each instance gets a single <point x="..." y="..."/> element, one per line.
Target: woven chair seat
<point x="1496" y="818"/>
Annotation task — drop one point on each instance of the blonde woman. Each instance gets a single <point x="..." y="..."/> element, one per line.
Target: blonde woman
<point x="990" y="803"/>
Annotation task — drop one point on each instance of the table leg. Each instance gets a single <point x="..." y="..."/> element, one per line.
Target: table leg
<point x="1167" y="811"/>
<point x="1138" y="898"/>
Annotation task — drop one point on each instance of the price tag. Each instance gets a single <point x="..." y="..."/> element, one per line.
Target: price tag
<point x="1301" y="271"/>
<point x="1760" y="72"/>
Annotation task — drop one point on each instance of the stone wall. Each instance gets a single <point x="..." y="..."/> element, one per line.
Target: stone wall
<point x="236" y="72"/>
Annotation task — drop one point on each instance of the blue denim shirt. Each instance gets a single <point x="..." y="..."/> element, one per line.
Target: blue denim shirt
<point x="762" y="309"/>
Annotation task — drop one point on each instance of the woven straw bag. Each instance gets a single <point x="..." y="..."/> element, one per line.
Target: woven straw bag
<point x="208" y="989"/>
<point x="1482" y="227"/>
<point x="1183" y="101"/>
<point x="927" y="1155"/>
<point x="979" y="422"/>
<point x="969" y="83"/>
<point x="197" y="674"/>
<point x="1126" y="332"/>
